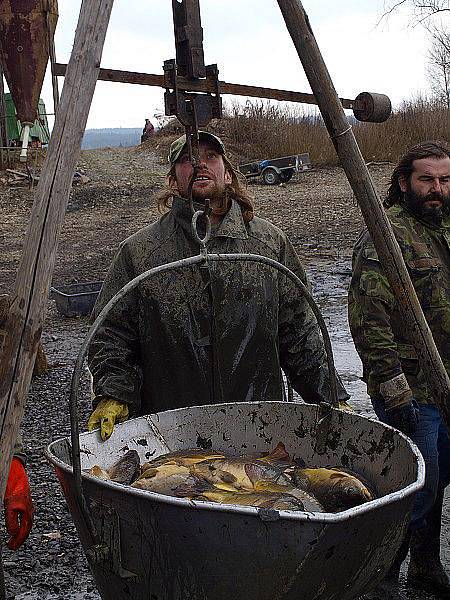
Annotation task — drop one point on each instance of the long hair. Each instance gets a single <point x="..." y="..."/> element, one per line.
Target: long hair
<point x="236" y="190"/>
<point x="405" y="167"/>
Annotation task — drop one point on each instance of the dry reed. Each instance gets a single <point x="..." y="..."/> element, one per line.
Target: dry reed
<point x="264" y="130"/>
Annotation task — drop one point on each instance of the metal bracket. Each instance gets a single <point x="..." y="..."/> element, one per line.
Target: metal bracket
<point x="108" y="527"/>
<point x="192" y="109"/>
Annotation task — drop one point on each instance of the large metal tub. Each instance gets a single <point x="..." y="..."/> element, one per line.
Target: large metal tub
<point x="165" y="548"/>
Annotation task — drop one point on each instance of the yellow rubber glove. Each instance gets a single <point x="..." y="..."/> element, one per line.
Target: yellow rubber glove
<point x="106" y="415"/>
<point x="345" y="406"/>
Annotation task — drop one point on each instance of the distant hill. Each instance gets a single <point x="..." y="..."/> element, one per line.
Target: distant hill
<point x="111" y="137"/>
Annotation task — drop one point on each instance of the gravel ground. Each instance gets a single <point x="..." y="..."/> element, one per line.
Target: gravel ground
<point x="320" y="216"/>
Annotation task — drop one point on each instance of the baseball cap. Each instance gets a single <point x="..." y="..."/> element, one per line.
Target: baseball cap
<point x="177" y="147"/>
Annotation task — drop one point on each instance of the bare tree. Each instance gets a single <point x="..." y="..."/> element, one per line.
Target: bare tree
<point x="439" y="63"/>
<point x="421" y="10"/>
<point x="430" y="14"/>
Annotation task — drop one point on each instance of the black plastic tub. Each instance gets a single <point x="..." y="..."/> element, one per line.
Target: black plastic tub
<point x="76" y="298"/>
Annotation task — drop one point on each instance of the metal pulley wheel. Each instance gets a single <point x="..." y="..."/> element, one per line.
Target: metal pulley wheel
<point x="371" y="107"/>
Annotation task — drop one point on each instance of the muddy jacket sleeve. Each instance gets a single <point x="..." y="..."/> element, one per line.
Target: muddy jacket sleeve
<point x="302" y="352"/>
<point x="371" y="303"/>
<point x="114" y="353"/>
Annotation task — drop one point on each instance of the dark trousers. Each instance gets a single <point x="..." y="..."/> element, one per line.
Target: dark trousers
<point x="432" y="439"/>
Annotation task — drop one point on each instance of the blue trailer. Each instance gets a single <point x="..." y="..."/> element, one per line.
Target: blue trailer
<point x="276" y="170"/>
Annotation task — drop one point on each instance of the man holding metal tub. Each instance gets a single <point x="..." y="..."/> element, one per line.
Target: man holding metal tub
<point x="207" y="335"/>
<point x="419" y="210"/>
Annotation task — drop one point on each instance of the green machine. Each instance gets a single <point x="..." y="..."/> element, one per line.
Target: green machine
<point x="39" y="132"/>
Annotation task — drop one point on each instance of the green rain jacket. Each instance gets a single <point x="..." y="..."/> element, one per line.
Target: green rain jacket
<point x="206" y="335"/>
<point x="379" y="335"/>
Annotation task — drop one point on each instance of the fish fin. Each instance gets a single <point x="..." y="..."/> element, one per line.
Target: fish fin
<point x="252" y="471"/>
<point x="225" y="476"/>
<point x="99" y="472"/>
<point x="269" y="486"/>
<point x="226" y="487"/>
<point x="126" y="468"/>
<point x="148" y="473"/>
<point x="192" y="489"/>
<point x="339" y="476"/>
<point x="259" y="471"/>
<point x="279" y="453"/>
<point x="255" y="471"/>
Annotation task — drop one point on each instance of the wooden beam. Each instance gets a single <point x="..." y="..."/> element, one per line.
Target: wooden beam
<point x="369" y="202"/>
<point x="52" y="56"/>
<point x="27" y="312"/>
<point x="234" y="89"/>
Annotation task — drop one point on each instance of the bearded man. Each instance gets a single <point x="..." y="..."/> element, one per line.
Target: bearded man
<point x="419" y="211"/>
<point x="218" y="333"/>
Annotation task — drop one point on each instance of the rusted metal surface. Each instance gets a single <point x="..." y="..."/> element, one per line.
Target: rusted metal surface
<point x="172" y="548"/>
<point x="193" y="110"/>
<point x="373" y="108"/>
<point x="24" y="50"/>
<point x="188" y="38"/>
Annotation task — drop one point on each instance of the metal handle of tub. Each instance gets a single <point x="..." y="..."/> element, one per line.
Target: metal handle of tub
<point x="324" y="409"/>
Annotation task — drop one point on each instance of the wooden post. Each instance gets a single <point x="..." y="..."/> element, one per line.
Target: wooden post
<point x="3" y="128"/>
<point x="52" y="55"/>
<point x="374" y="215"/>
<point x="27" y="312"/>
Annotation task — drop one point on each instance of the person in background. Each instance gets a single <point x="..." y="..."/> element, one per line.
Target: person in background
<point x="418" y="204"/>
<point x="147" y="131"/>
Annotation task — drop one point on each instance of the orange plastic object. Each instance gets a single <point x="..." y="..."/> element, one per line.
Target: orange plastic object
<point x="18" y="505"/>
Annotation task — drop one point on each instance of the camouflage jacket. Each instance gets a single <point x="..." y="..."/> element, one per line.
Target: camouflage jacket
<point x="206" y="335"/>
<point x="379" y="335"/>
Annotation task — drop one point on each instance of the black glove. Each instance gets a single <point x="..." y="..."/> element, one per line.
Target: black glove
<point x="405" y="417"/>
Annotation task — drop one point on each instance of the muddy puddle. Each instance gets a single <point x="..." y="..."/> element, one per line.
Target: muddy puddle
<point x="330" y="284"/>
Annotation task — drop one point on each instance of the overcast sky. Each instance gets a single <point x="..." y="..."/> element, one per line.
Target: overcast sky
<point x="250" y="43"/>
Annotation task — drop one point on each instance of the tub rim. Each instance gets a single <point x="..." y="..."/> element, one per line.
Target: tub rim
<point x="264" y="514"/>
